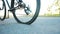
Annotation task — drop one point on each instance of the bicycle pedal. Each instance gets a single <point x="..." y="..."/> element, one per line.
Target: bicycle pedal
<point x="27" y="12"/>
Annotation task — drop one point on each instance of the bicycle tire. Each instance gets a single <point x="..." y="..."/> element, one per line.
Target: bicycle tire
<point x="4" y="11"/>
<point x="33" y="18"/>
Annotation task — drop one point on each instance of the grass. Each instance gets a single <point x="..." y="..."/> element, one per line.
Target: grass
<point x="45" y="15"/>
<point x="51" y="15"/>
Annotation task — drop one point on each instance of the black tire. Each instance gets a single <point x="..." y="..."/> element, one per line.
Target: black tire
<point x="4" y="7"/>
<point x="33" y="18"/>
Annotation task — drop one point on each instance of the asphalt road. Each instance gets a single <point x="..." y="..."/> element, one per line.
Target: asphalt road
<point x="43" y="25"/>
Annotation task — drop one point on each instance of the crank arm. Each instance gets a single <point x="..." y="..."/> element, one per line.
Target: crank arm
<point x="15" y="8"/>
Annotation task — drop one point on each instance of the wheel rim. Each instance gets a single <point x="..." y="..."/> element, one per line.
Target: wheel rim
<point x="3" y="11"/>
<point x="34" y="16"/>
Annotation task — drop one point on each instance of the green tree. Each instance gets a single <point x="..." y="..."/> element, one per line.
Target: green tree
<point x="55" y="5"/>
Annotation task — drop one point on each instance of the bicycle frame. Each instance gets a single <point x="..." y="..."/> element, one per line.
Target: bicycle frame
<point x="13" y="9"/>
<point x="10" y="6"/>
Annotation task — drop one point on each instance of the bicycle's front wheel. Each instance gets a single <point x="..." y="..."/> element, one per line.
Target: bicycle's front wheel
<point x="2" y="10"/>
<point x="22" y="17"/>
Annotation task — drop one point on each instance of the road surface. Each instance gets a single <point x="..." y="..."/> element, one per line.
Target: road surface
<point x="43" y="25"/>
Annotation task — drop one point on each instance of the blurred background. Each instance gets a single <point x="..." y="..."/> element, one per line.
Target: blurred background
<point x="48" y="8"/>
<point x="48" y="21"/>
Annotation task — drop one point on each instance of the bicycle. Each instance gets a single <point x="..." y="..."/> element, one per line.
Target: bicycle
<point x="16" y="5"/>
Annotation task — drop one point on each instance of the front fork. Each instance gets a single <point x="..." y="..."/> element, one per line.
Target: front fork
<point x="12" y="4"/>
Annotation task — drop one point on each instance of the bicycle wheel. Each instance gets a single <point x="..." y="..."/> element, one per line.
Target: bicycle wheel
<point x="23" y="18"/>
<point x="2" y="10"/>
